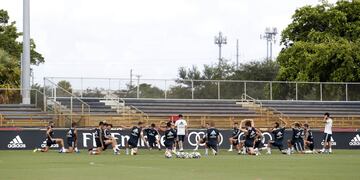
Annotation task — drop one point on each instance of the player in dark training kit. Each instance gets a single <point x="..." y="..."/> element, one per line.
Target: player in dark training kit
<point x="99" y="140"/>
<point x="234" y="139"/>
<point x="152" y="137"/>
<point x="202" y="140"/>
<point x="50" y="140"/>
<point x="135" y="135"/>
<point x="109" y="139"/>
<point x="170" y="137"/>
<point x="71" y="136"/>
<point x="251" y="135"/>
<point x="308" y="140"/>
<point x="278" y="133"/>
<point x="296" y="141"/>
<point x="212" y="139"/>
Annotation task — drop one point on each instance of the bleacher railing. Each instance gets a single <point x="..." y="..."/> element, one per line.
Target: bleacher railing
<point x="212" y="89"/>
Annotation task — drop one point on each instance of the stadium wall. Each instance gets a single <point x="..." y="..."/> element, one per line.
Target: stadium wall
<point x="25" y="139"/>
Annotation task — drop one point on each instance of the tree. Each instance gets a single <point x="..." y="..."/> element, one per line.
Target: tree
<point x="322" y="44"/>
<point x="9" y="43"/>
<point x="9" y="70"/>
<point x="65" y="85"/>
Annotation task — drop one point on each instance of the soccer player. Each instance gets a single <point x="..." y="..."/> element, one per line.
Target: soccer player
<point x="203" y="139"/>
<point x="152" y="137"/>
<point x="308" y="140"/>
<point x="234" y="139"/>
<point x="296" y="140"/>
<point x="251" y="134"/>
<point x="212" y="139"/>
<point x="170" y="135"/>
<point x="181" y="127"/>
<point x="71" y="136"/>
<point x="278" y="133"/>
<point x="99" y="140"/>
<point x="109" y="139"/>
<point x="327" y="134"/>
<point x="50" y="140"/>
<point x="136" y="133"/>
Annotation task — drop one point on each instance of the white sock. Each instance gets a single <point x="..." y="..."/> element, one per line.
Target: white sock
<point x="231" y="146"/>
<point x="292" y="149"/>
<point x="269" y="150"/>
<point x="330" y="150"/>
<point x="127" y="151"/>
<point x="114" y="149"/>
<point x="244" y="149"/>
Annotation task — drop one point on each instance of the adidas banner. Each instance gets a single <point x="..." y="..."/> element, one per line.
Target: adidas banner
<point x="30" y="139"/>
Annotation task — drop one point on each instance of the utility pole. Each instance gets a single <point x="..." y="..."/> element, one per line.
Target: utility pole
<point x="220" y="40"/>
<point x="269" y="36"/>
<point x="138" y="86"/>
<point x="25" y="73"/>
<point x="237" y="54"/>
<point x="131" y="75"/>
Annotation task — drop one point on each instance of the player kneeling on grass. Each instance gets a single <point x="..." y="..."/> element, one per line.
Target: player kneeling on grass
<point x="99" y="140"/>
<point x="212" y="139"/>
<point x="308" y="140"/>
<point x="71" y="136"/>
<point x="278" y="133"/>
<point x="296" y="141"/>
<point x="203" y="139"/>
<point x="234" y="139"/>
<point x="50" y="140"/>
<point x="251" y="135"/>
<point x="109" y="139"/>
<point x="152" y="137"/>
<point x="135" y="135"/>
<point x="170" y="135"/>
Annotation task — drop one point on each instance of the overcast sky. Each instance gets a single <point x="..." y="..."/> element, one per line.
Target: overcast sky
<point x="92" y="38"/>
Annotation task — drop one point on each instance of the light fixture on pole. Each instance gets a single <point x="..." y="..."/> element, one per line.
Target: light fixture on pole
<point x="220" y="40"/>
<point x="269" y="36"/>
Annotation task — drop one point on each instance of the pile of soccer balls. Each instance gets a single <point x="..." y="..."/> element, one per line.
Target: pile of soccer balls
<point x="184" y="155"/>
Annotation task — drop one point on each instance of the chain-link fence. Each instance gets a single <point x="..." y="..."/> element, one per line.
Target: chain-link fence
<point x="210" y="89"/>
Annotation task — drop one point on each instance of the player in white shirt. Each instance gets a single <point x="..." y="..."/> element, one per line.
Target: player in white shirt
<point x="181" y="127"/>
<point x="327" y="134"/>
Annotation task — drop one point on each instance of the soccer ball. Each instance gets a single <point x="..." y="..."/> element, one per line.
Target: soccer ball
<point x="196" y="155"/>
<point x="168" y="154"/>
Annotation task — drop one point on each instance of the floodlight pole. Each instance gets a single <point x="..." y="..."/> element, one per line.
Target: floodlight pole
<point x="269" y="36"/>
<point x="220" y="40"/>
<point x="26" y="53"/>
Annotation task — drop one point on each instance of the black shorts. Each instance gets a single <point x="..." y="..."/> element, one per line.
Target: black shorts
<point x="152" y="142"/>
<point x="98" y="142"/>
<point x="327" y="137"/>
<point x="249" y="143"/>
<point x="71" y="142"/>
<point x="258" y="144"/>
<point x="169" y="144"/>
<point x="310" y="145"/>
<point x="181" y="138"/>
<point x="133" y="143"/>
<point x="50" y="142"/>
<point x="278" y="144"/>
<point x="212" y="145"/>
<point x="236" y="142"/>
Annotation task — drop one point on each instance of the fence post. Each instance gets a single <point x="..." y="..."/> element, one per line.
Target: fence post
<point x="219" y="90"/>
<point x="321" y="94"/>
<point x="44" y="98"/>
<point x="165" y="90"/>
<point x="54" y="95"/>
<point x="245" y="88"/>
<point x="296" y="90"/>
<point x="346" y="92"/>
<point x="109" y="87"/>
<point x="81" y="83"/>
<point x="271" y="95"/>
<point x="36" y="104"/>
<point x="71" y="108"/>
<point x="192" y="89"/>
<point x="138" y="88"/>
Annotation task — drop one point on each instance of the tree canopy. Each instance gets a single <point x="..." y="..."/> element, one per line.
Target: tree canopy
<point x="322" y="44"/>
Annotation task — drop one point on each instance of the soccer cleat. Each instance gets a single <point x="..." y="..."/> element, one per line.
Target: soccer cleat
<point x="36" y="150"/>
<point x="230" y="150"/>
<point x="268" y="152"/>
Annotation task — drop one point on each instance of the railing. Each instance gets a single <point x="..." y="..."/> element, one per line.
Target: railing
<point x="53" y="91"/>
<point x="140" y="111"/>
<point x="213" y="89"/>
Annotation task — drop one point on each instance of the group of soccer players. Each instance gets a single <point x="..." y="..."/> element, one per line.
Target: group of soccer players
<point x="302" y="139"/>
<point x="251" y="142"/>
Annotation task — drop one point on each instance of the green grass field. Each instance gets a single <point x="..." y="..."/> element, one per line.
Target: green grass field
<point x="343" y="164"/>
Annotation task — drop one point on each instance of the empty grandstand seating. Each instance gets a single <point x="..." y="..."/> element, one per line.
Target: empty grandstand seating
<point x="96" y="107"/>
<point x="23" y="114"/>
<point x="168" y="107"/>
<point x="314" y="108"/>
